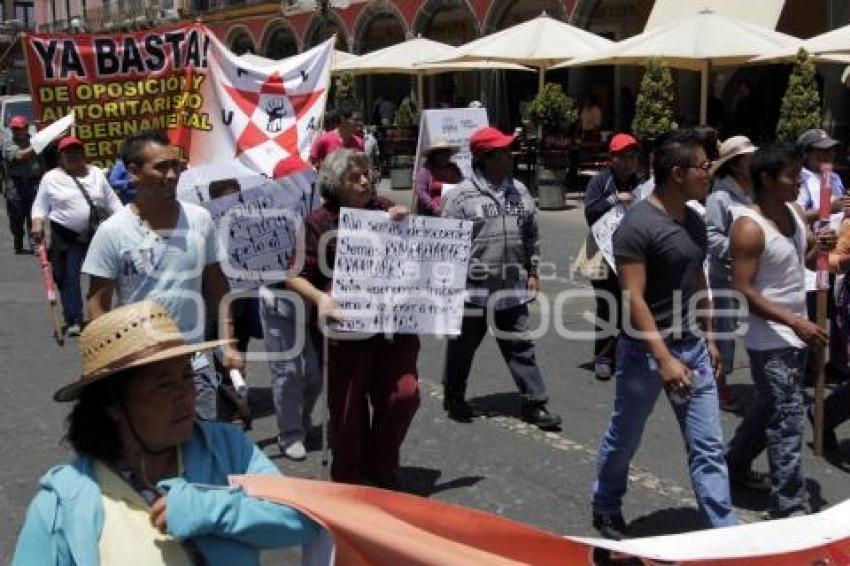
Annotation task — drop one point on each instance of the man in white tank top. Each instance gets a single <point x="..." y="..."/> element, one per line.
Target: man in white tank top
<point x="770" y="243"/>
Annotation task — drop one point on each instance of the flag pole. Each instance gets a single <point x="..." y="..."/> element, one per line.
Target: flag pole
<point x="822" y="288"/>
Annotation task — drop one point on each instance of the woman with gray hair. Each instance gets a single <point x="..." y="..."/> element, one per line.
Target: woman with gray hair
<point x="363" y="370"/>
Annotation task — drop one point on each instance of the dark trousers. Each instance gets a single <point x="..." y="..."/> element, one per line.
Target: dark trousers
<point x="67" y="264"/>
<point x="382" y="373"/>
<point x="608" y="296"/>
<point x="517" y="350"/>
<point x="19" y="207"/>
<point x="837" y="407"/>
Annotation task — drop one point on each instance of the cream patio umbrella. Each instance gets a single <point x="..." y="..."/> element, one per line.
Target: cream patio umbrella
<point x="698" y="43"/>
<point x="542" y="42"/>
<point x="414" y="57"/>
<point x="830" y="47"/>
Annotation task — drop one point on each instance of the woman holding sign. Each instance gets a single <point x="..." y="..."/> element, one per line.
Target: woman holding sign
<point x="436" y="174"/>
<point x="362" y="369"/>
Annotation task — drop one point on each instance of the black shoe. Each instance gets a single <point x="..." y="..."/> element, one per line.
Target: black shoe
<point x="458" y="409"/>
<point x="830" y="441"/>
<point x="751" y="479"/>
<point x="538" y="415"/>
<point x="611" y="526"/>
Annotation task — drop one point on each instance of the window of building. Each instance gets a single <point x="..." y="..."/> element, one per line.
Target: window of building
<point x="25" y="13"/>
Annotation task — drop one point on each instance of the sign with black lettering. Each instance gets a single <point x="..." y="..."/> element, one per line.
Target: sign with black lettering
<point x="400" y="277"/>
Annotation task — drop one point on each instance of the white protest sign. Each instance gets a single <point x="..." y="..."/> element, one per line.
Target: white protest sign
<point x="603" y="232"/>
<point x="51" y="133"/>
<point x="400" y="277"/>
<point x="258" y="223"/>
<point x="456" y="126"/>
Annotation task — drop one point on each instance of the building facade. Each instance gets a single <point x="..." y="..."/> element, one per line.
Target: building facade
<point x="279" y="29"/>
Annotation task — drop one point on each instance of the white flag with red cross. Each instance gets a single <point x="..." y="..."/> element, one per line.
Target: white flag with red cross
<point x="265" y="116"/>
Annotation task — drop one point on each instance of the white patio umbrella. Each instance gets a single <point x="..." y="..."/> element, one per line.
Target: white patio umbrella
<point x="414" y="57"/>
<point x="830" y="47"/>
<point x="542" y="42"/>
<point x="698" y="43"/>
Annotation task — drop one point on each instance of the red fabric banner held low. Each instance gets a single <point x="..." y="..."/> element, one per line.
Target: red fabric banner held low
<point x="373" y="527"/>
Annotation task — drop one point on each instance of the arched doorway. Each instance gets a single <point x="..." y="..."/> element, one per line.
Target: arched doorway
<point x="317" y="33"/>
<point x="279" y="41"/>
<point x="239" y="41"/>
<point x="506" y="13"/>
<point x="381" y="25"/>
<point x="452" y="22"/>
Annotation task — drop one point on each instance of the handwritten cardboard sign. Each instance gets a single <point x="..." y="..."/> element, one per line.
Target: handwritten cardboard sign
<point x="401" y="277"/>
<point x="258" y="223"/>
<point x="603" y="232"/>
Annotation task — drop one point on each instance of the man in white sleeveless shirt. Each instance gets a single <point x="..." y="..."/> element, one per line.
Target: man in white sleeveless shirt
<point x="770" y="243"/>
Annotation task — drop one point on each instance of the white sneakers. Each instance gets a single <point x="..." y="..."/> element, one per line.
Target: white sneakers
<point x="295" y="450"/>
<point x="73" y="330"/>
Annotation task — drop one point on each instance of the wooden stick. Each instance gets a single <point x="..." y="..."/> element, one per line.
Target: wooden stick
<point x="822" y="290"/>
<point x="820" y="379"/>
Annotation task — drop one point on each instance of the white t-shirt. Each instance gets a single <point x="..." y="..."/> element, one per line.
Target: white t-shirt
<point x="168" y="269"/>
<point x="60" y="200"/>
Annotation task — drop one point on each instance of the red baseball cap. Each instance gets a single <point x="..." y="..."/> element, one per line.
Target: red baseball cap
<point x="488" y="139"/>
<point x="19" y="122"/>
<point x="69" y="141"/>
<point x="622" y="142"/>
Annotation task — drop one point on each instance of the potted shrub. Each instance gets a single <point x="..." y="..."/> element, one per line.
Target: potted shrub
<point x="801" y="108"/>
<point x="554" y="113"/>
<point x="654" y="108"/>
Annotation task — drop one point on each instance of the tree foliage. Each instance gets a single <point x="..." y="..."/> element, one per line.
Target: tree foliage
<point x="801" y="105"/>
<point x="654" y="114"/>
<point x="553" y="109"/>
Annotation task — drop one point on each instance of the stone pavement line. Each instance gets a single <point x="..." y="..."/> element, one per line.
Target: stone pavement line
<point x="637" y="475"/>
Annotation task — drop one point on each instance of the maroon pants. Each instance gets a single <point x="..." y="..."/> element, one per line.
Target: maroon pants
<point x="382" y="373"/>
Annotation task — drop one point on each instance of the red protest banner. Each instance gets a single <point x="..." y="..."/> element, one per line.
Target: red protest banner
<point x="119" y="83"/>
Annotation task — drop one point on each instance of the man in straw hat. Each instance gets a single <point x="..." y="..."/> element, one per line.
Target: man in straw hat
<point x="144" y="465"/>
<point x="437" y="171"/>
<point x="163" y="249"/>
<point x="732" y="187"/>
<point x="502" y="278"/>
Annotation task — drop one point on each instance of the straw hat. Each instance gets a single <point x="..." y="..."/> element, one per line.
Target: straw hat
<point x="442" y="143"/>
<point x="732" y="148"/>
<point x="127" y="337"/>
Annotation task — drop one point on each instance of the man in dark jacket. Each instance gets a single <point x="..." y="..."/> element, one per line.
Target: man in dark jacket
<point x="613" y="186"/>
<point x="502" y="277"/>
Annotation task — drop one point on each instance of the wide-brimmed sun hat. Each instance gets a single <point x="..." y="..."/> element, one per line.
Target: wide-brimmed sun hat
<point x="441" y="144"/>
<point x="128" y="337"/>
<point x="732" y="148"/>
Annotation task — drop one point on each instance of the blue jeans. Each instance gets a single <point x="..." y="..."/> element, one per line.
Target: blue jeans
<point x="638" y="387"/>
<point x="67" y="266"/>
<point x="296" y="381"/>
<point x="775" y="421"/>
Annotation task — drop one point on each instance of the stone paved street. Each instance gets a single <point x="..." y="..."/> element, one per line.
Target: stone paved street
<point x="497" y="463"/>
